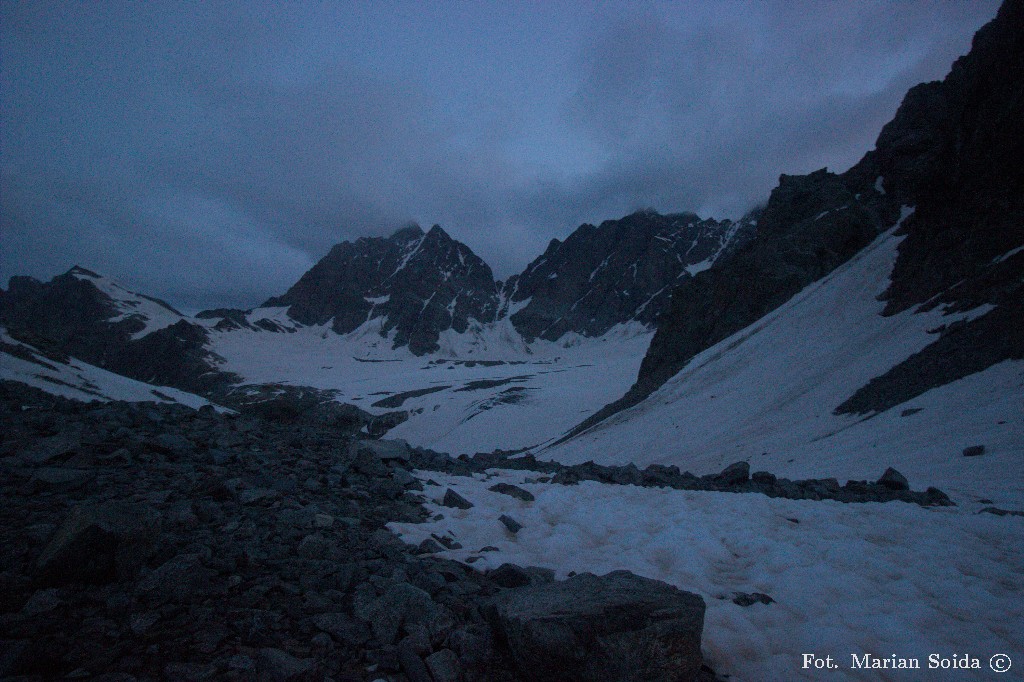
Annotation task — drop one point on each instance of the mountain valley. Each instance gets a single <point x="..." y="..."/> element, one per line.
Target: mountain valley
<point x="401" y="469"/>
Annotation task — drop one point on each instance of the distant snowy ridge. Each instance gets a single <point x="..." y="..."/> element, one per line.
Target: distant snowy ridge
<point x="78" y="380"/>
<point x="426" y="284"/>
<point x="153" y="313"/>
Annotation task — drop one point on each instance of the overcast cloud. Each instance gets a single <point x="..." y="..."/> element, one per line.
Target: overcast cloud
<point x="210" y="153"/>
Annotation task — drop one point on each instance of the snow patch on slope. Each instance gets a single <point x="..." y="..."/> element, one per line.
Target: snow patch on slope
<point x="155" y="314"/>
<point x="81" y="381"/>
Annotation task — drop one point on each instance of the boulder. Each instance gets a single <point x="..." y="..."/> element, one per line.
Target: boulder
<point x="455" y="500"/>
<point x="400" y="604"/>
<point x="60" y="479"/>
<point x="99" y="544"/>
<point x="588" y="628"/>
<point x="176" y="580"/>
<point x="751" y="598"/>
<point x="388" y="450"/>
<point x="343" y="628"/>
<point x="894" y="480"/>
<point x="510" y="575"/>
<point x="313" y="546"/>
<point x="974" y="451"/>
<point x="412" y="665"/>
<point x="513" y="491"/>
<point x="444" y="666"/>
<point x="734" y="474"/>
<point x="275" y="665"/>
<point x="511" y="524"/>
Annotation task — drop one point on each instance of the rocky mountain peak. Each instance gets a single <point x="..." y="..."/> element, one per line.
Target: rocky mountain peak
<point x="79" y="270"/>
<point x="91" y="317"/>
<point x="621" y="271"/>
<point x="414" y="284"/>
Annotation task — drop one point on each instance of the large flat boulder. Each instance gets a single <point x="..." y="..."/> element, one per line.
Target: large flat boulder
<point x="588" y="628"/>
<point x="99" y="543"/>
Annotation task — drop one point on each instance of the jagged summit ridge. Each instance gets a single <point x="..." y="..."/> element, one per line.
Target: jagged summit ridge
<point x="422" y="284"/>
<point x="620" y="271"/>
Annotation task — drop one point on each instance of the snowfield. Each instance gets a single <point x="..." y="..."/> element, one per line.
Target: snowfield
<point x="847" y="579"/>
<point x="484" y="389"/>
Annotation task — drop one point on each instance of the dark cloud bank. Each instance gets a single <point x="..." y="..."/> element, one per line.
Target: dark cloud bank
<point x="210" y="154"/>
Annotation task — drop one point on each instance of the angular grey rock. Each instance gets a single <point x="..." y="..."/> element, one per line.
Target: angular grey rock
<point x="733" y="474"/>
<point x="749" y="599"/>
<point x="343" y="627"/>
<point x="1001" y="512"/>
<point x="314" y="546"/>
<point x="412" y="665"/>
<point x="99" y="543"/>
<point x="173" y="443"/>
<point x="510" y="575"/>
<point x="974" y="451"/>
<point x="455" y="500"/>
<point x="588" y="628"/>
<point x="388" y="450"/>
<point x="55" y="447"/>
<point x="513" y="491"/>
<point x="511" y="524"/>
<point x="894" y="480"/>
<point x="60" y="478"/>
<point x="175" y="580"/>
<point x="405" y="479"/>
<point x="258" y="496"/>
<point x="399" y="604"/>
<point x="275" y="665"/>
<point x="42" y="601"/>
<point x="444" y="666"/>
<point x="429" y="546"/>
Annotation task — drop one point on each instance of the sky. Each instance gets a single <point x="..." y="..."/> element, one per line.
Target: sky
<point x="210" y="153"/>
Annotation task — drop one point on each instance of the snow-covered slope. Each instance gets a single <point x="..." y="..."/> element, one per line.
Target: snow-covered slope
<point x="767" y="394"/>
<point x="483" y="389"/>
<point x="153" y="313"/>
<point x="78" y="380"/>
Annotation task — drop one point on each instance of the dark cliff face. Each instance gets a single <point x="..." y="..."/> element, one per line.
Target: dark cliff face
<point x="811" y="225"/>
<point x="71" y="314"/>
<point x="954" y="152"/>
<point x="421" y="283"/>
<point x="957" y="148"/>
<point x="620" y="271"/>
